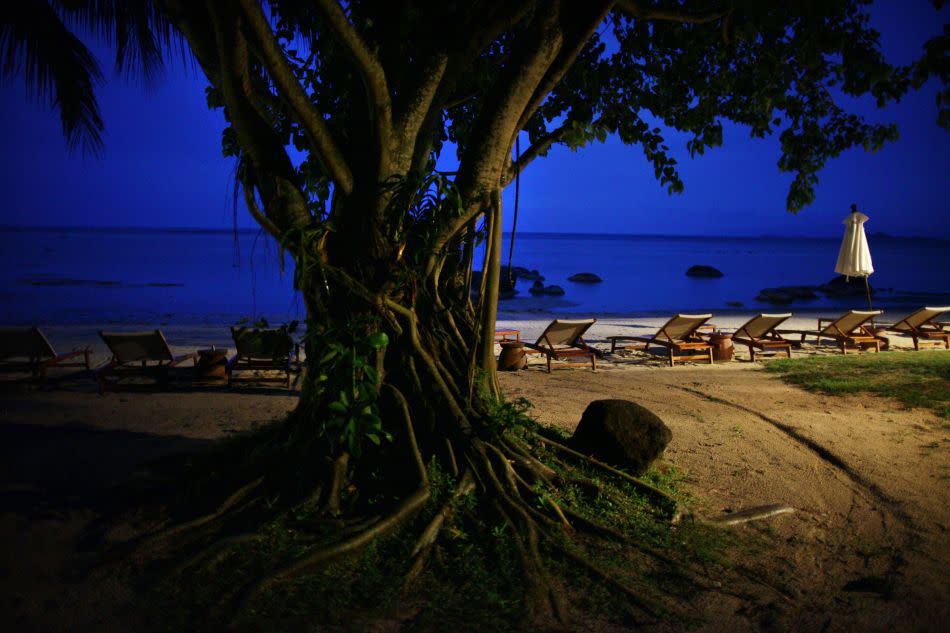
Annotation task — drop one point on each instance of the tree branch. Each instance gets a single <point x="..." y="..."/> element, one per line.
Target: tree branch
<point x="636" y="10"/>
<point x="539" y="148"/>
<point x="578" y="26"/>
<point x="275" y="175"/>
<point x="307" y="115"/>
<point x="367" y="65"/>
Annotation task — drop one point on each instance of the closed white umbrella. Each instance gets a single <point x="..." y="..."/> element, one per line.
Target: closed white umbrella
<point x="854" y="256"/>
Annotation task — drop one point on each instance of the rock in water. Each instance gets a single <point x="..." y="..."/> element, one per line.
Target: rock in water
<point x="784" y="295"/>
<point x="585" y="278"/>
<point x="621" y="433"/>
<point x="842" y="286"/>
<point x="700" y="270"/>
<point x="538" y="288"/>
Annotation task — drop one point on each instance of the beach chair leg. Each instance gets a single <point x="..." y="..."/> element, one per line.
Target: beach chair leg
<point x="548" y="358"/>
<point x="752" y="352"/>
<point x="593" y="362"/>
<point x="710" y="356"/>
<point x="788" y="350"/>
<point x="670" y="351"/>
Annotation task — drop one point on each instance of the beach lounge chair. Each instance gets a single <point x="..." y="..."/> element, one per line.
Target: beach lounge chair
<point x="850" y="331"/>
<point x="679" y="336"/>
<point x="759" y="333"/>
<point x="25" y="349"/>
<point x="923" y="327"/>
<point x="138" y="354"/>
<point x="260" y="350"/>
<point x="563" y="340"/>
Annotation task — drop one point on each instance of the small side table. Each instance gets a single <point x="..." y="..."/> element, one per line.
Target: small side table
<point x="212" y="364"/>
<point x="512" y="356"/>
<point x="722" y="345"/>
<point x="507" y="335"/>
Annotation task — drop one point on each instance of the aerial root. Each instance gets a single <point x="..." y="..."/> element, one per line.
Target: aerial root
<point x="410" y="434"/>
<point x="338" y="472"/>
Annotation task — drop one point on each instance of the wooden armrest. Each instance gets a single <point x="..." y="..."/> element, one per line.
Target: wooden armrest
<point x="177" y="360"/>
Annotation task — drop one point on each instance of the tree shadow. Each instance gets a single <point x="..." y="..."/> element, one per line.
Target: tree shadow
<point x="47" y="472"/>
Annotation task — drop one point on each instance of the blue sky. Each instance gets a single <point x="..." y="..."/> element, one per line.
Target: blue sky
<point x="162" y="166"/>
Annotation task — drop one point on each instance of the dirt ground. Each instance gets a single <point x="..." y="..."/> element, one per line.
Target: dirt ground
<point x="867" y="548"/>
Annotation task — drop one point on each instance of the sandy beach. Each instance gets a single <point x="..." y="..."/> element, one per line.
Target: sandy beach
<point x="866" y="549"/>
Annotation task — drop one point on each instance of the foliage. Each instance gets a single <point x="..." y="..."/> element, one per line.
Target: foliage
<point x="920" y="379"/>
<point x="346" y="385"/>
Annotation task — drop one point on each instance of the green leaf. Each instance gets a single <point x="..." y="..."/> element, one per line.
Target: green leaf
<point x="378" y="340"/>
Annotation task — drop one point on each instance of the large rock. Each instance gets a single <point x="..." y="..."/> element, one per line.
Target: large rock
<point x="700" y="270"/>
<point x="538" y="288"/>
<point x="585" y="278"/>
<point x="621" y="433"/>
<point x="842" y="286"/>
<point x="784" y="295"/>
<point x="523" y="273"/>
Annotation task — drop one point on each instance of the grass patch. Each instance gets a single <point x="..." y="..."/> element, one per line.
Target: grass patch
<point x="920" y="379"/>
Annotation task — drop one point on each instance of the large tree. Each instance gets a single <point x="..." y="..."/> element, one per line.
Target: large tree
<point x="399" y="347"/>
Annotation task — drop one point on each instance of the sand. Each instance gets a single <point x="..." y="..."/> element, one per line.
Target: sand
<point x="867" y="548"/>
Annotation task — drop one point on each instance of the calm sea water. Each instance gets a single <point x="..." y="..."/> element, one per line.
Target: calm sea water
<point x="205" y="278"/>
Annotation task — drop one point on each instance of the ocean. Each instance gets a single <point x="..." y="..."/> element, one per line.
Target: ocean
<point x="175" y="277"/>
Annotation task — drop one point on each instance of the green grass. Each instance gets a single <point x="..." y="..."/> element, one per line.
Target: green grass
<point x="918" y="379"/>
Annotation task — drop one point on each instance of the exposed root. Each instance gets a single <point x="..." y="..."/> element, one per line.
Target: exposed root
<point x="324" y="554"/>
<point x="652" y="491"/>
<point x="239" y="495"/>
<point x="420" y="551"/>
<point x="648" y="606"/>
<point x="215" y="553"/>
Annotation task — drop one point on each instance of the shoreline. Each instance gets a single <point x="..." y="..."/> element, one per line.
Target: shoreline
<point x="186" y="337"/>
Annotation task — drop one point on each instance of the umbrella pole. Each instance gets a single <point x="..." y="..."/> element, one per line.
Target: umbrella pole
<point x="867" y="290"/>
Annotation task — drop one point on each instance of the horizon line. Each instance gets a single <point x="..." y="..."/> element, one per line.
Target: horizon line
<point x="12" y="228"/>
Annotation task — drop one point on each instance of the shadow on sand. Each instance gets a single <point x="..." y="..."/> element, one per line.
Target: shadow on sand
<point x="49" y="471"/>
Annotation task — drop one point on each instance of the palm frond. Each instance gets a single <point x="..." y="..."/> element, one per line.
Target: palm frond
<point x="139" y="29"/>
<point x="57" y="67"/>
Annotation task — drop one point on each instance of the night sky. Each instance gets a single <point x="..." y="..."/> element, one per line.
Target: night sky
<point x="162" y="166"/>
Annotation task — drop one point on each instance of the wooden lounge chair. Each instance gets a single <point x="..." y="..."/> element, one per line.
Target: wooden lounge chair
<point x="850" y="331"/>
<point x="679" y="336"/>
<point x="25" y="349"/>
<point x="923" y="327"/>
<point x="260" y="350"/>
<point x="138" y="354"/>
<point x="759" y="333"/>
<point x="562" y="340"/>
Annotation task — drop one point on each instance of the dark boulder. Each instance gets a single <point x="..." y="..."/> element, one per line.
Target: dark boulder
<point x="784" y="295"/>
<point x="523" y="273"/>
<point x="842" y="286"/>
<point x="538" y="288"/>
<point x="621" y="433"/>
<point x="703" y="271"/>
<point x="585" y="278"/>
